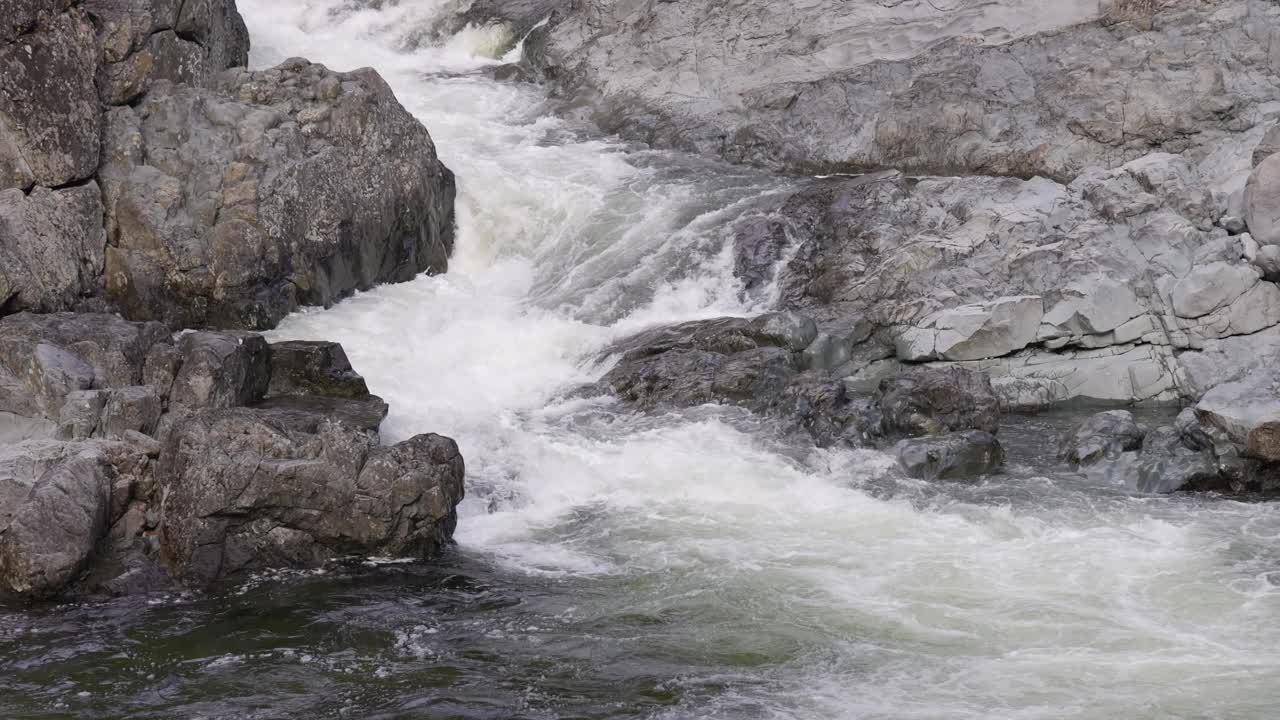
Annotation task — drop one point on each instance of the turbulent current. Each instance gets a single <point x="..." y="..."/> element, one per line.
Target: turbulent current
<point x="687" y="565"/>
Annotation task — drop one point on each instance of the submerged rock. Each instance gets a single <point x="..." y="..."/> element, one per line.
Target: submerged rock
<point x="953" y="456"/>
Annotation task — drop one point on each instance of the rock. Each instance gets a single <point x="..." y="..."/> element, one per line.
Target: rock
<point x="1269" y="145"/>
<point x="1093" y="304"/>
<point x="247" y="492"/>
<point x="55" y="501"/>
<point x="144" y="41"/>
<point x="130" y="409"/>
<point x="49" y="108"/>
<point x="1262" y="202"/>
<point x="930" y="401"/>
<point x="1267" y="260"/>
<point x="1247" y="411"/>
<point x="963" y="88"/>
<point x="51" y="247"/>
<point x="1102" y="436"/>
<point x="954" y="456"/>
<point x="232" y="205"/>
<point x="220" y="370"/>
<point x="1188" y="472"/>
<point x="1209" y="287"/>
<point x="313" y="368"/>
<point x="980" y="330"/>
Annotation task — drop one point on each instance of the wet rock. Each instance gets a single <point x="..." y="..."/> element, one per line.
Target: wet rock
<point x="1185" y="472"/>
<point x="317" y="368"/>
<point x="246" y="491"/>
<point x="953" y="456"/>
<point x="232" y="205"/>
<point x="1103" y="435"/>
<point x="929" y="401"/>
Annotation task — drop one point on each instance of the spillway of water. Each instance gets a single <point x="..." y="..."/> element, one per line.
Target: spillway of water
<point x="679" y="566"/>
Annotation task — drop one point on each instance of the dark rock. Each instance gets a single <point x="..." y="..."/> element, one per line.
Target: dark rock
<point x="247" y="491"/>
<point x="232" y="205"/>
<point x="1183" y="471"/>
<point x="55" y="501"/>
<point x="313" y="368"/>
<point x="954" y="456"/>
<point x="49" y="107"/>
<point x="144" y="41"/>
<point x="1103" y="435"/>
<point x="220" y="370"/>
<point x="929" y="401"/>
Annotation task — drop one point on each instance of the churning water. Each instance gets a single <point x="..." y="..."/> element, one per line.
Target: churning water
<point x="683" y="566"/>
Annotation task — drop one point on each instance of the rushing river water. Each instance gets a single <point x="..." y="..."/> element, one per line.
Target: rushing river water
<point x="676" y="566"/>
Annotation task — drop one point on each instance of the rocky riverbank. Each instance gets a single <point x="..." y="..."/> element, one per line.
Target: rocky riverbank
<point x="1076" y="201"/>
<point x="149" y="184"/>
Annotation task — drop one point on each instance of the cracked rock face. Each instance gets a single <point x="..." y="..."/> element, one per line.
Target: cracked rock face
<point x="232" y="206"/>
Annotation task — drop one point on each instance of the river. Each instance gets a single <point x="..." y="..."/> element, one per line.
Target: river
<point x="684" y="566"/>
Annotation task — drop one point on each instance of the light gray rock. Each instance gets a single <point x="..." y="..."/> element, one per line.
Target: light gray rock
<point x="1262" y="202"/>
<point x="974" y="332"/>
<point x="231" y="206"/>
<point x="954" y="456"/>
<point x="1005" y="87"/>
<point x="1248" y="412"/>
<point x="51" y="247"/>
<point x="1209" y="287"/>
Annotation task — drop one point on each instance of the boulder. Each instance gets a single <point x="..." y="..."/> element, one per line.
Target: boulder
<point x="1100" y="436"/>
<point x="55" y="505"/>
<point x="929" y="401"/>
<point x="248" y="489"/>
<point x="1247" y="412"/>
<point x="953" y="456"/>
<point x="232" y="205"/>
<point x="1262" y="202"/>
<point x="51" y="247"/>
<point x="221" y="370"/>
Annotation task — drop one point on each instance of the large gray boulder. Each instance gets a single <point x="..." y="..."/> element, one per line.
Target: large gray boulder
<point x="231" y="206"/>
<point x="929" y="401"/>
<point x="1246" y="412"/>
